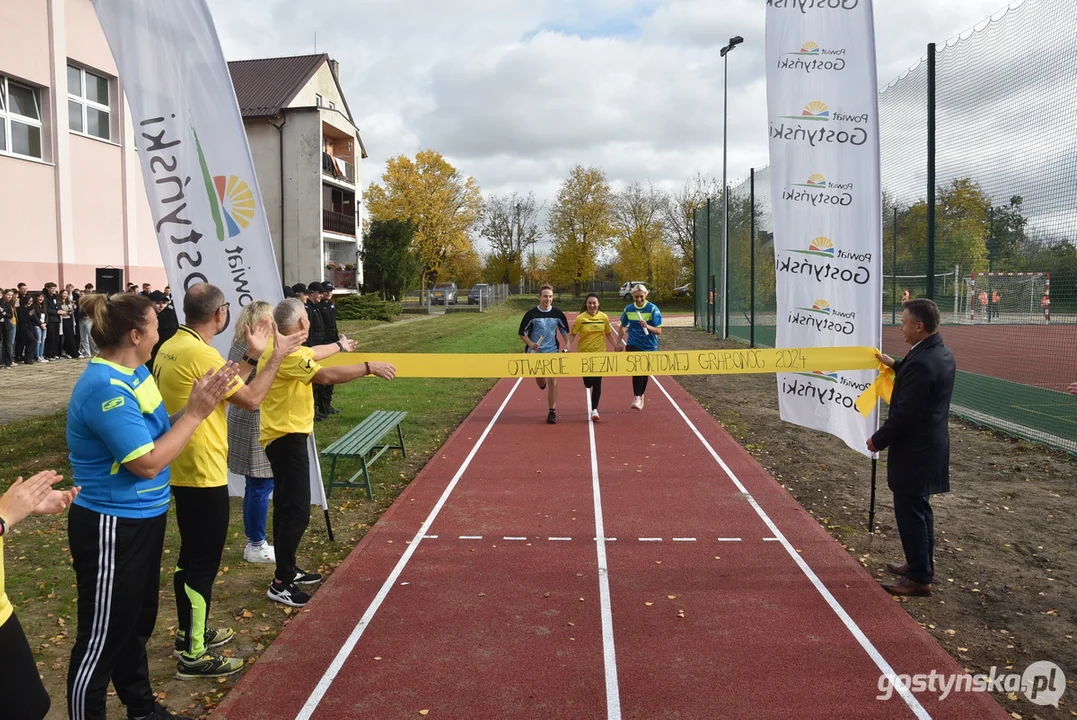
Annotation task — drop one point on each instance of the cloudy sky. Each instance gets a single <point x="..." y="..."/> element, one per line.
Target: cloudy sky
<point x="516" y="92"/>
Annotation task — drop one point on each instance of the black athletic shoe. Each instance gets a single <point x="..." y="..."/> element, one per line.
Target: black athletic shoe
<point x="211" y="664"/>
<point x="287" y="594"/>
<point x="160" y="712"/>
<point x="551" y="418"/>
<point x="334" y="411"/>
<point x="306" y="578"/>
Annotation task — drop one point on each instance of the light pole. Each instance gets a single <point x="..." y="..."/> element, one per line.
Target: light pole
<point x="733" y="42"/>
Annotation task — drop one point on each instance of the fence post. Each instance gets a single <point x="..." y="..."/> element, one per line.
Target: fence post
<point x="931" y="171"/>
<point x="710" y="283"/>
<point x="893" y="273"/>
<point x="751" y="263"/>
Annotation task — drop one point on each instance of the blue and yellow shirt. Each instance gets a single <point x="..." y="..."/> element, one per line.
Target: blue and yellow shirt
<point x="630" y="319"/>
<point x="114" y="417"/>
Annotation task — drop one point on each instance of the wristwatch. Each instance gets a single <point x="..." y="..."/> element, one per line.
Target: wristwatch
<point x="250" y="360"/>
<point x="3" y="527"/>
<point x="341" y="346"/>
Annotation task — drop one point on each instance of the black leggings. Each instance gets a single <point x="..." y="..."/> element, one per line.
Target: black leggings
<point x="639" y="382"/>
<point x="25" y="698"/>
<point x="595" y="383"/>
<point x="291" y="499"/>
<point x="202" y="518"/>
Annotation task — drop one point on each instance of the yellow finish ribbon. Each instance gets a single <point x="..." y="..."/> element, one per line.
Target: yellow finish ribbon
<point x="619" y="364"/>
<point x="883" y="387"/>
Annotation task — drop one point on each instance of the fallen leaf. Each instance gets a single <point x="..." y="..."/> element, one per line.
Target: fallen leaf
<point x="671" y="597"/>
<point x="424" y="712"/>
<point x="648" y="604"/>
<point x="377" y="657"/>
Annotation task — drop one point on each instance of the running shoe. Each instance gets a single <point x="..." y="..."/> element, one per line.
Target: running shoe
<point x="215" y="637"/>
<point x="287" y="594"/>
<point x="211" y="664"/>
<point x="551" y="417"/>
<point x="259" y="553"/>
<point x="306" y="578"/>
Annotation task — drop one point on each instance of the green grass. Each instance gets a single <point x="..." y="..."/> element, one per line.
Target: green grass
<point x="39" y="577"/>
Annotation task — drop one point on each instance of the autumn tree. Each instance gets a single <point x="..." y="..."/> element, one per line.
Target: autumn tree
<point x="580" y="224"/>
<point x="639" y="223"/>
<point x="440" y="202"/>
<point x="679" y="214"/>
<point x="509" y="223"/>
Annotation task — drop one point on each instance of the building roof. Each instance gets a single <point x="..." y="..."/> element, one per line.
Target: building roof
<point x="265" y="86"/>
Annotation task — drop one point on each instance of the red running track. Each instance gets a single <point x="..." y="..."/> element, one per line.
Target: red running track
<point x="487" y="590"/>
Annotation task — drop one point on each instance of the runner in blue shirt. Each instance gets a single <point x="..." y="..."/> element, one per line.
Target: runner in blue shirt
<point x="539" y="330"/>
<point x="643" y="321"/>
<point x="121" y="442"/>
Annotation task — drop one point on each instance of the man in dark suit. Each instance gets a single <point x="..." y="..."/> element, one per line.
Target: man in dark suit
<point x="917" y="434"/>
<point x="167" y="322"/>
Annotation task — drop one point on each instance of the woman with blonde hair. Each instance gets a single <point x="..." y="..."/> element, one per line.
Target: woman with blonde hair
<point x="642" y="321"/>
<point x="245" y="454"/>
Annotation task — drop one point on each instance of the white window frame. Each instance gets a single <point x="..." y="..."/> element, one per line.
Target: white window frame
<point x="7" y="116"/>
<point x="318" y="100"/>
<point x="85" y="102"/>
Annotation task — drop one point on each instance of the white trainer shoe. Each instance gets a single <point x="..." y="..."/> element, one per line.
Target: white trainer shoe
<point x="259" y="553"/>
<point x="637" y="403"/>
<point x="594" y="415"/>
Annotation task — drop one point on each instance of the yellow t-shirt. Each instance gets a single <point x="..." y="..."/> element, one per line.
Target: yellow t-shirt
<point x="5" y="604"/>
<point x="592" y="330"/>
<point x="182" y="361"/>
<point x="289" y="406"/>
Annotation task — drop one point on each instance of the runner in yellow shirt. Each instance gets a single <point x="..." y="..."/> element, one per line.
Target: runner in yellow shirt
<point x="200" y="473"/>
<point x="590" y="330"/>
<point x="287" y="420"/>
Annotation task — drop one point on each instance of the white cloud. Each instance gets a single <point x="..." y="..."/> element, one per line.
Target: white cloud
<point x="516" y="93"/>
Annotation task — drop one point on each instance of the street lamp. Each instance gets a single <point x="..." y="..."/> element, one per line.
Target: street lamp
<point x="733" y="42"/>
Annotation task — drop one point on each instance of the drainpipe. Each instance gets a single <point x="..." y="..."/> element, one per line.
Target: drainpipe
<point x="280" y="151"/>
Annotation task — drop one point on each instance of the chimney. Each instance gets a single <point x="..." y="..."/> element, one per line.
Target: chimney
<point x="335" y="67"/>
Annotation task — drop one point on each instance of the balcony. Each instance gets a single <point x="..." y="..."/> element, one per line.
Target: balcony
<point x="338" y="168"/>
<point x="339" y="223"/>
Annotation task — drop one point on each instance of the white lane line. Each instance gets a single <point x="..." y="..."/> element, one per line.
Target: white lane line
<point x="609" y="654"/>
<point x="850" y="624"/>
<point x="558" y="539"/>
<point x="513" y="538"/>
<point x="684" y="539"/>
<point x="728" y="539"/>
<point x="606" y="539"/>
<point x="430" y="537"/>
<point x="771" y="539"/>
<point x="471" y="537"/>
<point x="330" y="674"/>
<point x="650" y="539"/>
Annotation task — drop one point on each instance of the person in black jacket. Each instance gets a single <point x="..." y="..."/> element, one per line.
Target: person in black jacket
<point x="319" y="335"/>
<point x="7" y="328"/>
<point x="918" y="436"/>
<point x="53" y="320"/>
<point x="167" y="322"/>
<point x="21" y="298"/>
<point x="331" y="334"/>
<point x="29" y="329"/>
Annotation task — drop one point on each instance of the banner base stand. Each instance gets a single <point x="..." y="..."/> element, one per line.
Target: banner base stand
<point x="871" y="505"/>
<point x="328" y="525"/>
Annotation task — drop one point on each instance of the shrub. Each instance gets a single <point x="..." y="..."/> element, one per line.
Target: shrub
<point x="366" y="307"/>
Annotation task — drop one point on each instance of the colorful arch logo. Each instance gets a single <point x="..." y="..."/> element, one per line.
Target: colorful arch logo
<point x="820" y="306"/>
<point x="815" y="110"/>
<point x="831" y="377"/>
<point x="821" y="246"/>
<point x="815" y="180"/>
<point x="236" y="202"/>
<point x="809" y="48"/>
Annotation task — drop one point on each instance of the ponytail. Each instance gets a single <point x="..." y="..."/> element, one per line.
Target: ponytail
<point x="112" y="317"/>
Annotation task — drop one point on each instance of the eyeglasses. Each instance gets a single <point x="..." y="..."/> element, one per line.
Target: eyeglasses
<point x="223" y="306"/>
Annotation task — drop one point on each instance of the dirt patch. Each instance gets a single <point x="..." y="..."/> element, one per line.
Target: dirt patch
<point x="1006" y="554"/>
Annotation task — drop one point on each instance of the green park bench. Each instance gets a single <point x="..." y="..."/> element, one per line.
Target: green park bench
<point x="365" y="442"/>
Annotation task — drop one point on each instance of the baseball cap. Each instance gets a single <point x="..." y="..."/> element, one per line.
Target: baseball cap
<point x="328" y="286"/>
<point x="300" y="288"/>
<point x="315" y="286"/>
<point x="158" y="296"/>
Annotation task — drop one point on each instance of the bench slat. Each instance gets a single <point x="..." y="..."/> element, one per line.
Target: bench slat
<point x="364" y="436"/>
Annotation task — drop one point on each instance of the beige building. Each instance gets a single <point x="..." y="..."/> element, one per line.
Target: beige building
<point x="73" y="197"/>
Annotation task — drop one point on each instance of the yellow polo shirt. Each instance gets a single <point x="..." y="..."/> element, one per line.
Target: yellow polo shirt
<point x="182" y="361"/>
<point x="289" y="406"/>
<point x="5" y="604"/>
<point x="592" y="330"/>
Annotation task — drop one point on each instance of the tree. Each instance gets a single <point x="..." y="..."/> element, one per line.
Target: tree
<point x="581" y="225"/>
<point x="437" y="198"/>
<point x="510" y="223"/>
<point x="1007" y="236"/>
<point x="389" y="265"/>
<point x="638" y="220"/>
<point x="680" y="214"/>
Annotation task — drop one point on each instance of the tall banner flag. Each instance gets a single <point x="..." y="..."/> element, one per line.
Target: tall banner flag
<point x="826" y="189"/>
<point x="196" y="165"/>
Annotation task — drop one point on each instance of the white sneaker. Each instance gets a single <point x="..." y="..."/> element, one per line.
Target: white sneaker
<point x="640" y="402"/>
<point x="637" y="403"/>
<point x="594" y="415"/>
<point x="259" y="553"/>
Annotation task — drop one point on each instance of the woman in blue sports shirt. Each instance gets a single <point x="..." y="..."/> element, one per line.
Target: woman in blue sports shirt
<point x="121" y="442"/>
<point x="643" y="321"/>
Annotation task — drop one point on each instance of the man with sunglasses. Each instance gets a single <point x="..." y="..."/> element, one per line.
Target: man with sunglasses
<point x="200" y="473"/>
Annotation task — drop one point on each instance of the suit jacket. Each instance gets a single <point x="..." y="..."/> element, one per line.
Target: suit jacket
<point x="916" y="432"/>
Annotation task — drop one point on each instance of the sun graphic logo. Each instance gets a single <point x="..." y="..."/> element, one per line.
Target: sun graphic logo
<point x="808" y="48"/>
<point x="820" y="246"/>
<point x="820" y="306"/>
<point x="815" y="110"/>
<point x="830" y="377"/>
<point x="236" y="202"/>
<point x="814" y="181"/>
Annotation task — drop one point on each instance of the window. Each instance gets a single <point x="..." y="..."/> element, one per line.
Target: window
<point x="88" y="107"/>
<point x="20" y="119"/>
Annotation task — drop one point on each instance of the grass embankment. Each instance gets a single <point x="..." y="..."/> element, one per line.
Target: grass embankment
<point x="39" y="577"/>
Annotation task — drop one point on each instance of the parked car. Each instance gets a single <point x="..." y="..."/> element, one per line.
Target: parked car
<point x="626" y="289"/>
<point x="444" y="294"/>
<point x="480" y="292"/>
<point x="682" y="291"/>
